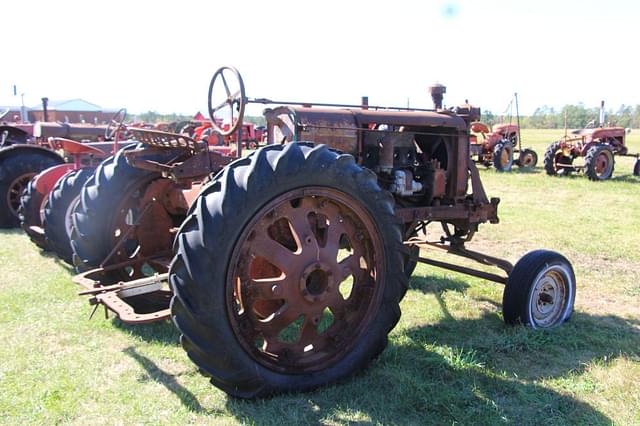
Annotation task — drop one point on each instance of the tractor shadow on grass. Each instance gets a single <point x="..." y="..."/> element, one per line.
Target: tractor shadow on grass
<point x="468" y="371"/>
<point x="168" y="380"/>
<point x="627" y="178"/>
<point x="163" y="332"/>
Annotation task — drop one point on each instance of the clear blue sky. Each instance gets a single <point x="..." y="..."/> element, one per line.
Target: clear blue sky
<point x="155" y="55"/>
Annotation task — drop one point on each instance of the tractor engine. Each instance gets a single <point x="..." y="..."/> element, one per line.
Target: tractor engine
<point x="419" y="156"/>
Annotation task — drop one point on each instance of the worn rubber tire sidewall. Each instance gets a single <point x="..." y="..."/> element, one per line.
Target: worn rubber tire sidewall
<point x="29" y="213"/>
<point x="13" y="166"/>
<point x="517" y="292"/>
<point x="66" y="190"/>
<point x="101" y="194"/>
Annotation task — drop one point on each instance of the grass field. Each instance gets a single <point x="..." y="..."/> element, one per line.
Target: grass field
<point x="450" y="360"/>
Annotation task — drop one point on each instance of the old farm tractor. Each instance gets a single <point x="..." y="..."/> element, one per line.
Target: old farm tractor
<point x="498" y="145"/>
<point x="25" y="151"/>
<point x="288" y="266"/>
<point x="50" y="197"/>
<point x="598" y="146"/>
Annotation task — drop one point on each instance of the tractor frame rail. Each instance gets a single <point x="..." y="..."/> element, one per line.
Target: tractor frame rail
<point x="458" y="249"/>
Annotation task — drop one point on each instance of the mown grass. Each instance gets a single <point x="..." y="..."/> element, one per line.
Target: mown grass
<point x="450" y="359"/>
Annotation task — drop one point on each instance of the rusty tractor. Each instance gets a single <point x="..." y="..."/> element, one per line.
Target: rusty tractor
<point x="50" y="197"/>
<point x="597" y="146"/>
<point x="499" y="144"/>
<point x="25" y="151"/>
<point x="288" y="266"/>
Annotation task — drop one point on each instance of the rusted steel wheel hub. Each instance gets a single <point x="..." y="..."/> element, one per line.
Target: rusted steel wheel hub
<point x="15" y="191"/>
<point x="603" y="164"/>
<point x="303" y="280"/>
<point x="549" y="296"/>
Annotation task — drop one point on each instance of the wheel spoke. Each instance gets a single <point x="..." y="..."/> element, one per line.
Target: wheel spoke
<point x="299" y="221"/>
<point x="226" y="86"/>
<point x="348" y="266"/>
<point x="309" y="331"/>
<point x="280" y="320"/>
<point x="221" y="105"/>
<point x="334" y="233"/>
<point x="274" y="252"/>
<point x="267" y="288"/>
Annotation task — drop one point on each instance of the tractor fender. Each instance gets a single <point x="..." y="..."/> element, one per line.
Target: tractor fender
<point x="15" y="150"/>
<point x="16" y="134"/>
<point x="616" y="146"/>
<point x="47" y="179"/>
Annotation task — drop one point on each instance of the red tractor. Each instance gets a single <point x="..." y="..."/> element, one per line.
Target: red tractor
<point x="25" y="151"/>
<point x="598" y="146"/>
<point x="45" y="209"/>
<point x="287" y="267"/>
<point x="498" y="145"/>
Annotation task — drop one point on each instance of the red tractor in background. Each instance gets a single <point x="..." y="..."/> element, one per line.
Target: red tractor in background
<point x="25" y="150"/>
<point x="498" y="145"/>
<point x="44" y="211"/>
<point x="598" y="146"/>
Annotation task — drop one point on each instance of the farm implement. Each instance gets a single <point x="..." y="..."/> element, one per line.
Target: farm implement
<point x="284" y="270"/>
<point x="597" y="146"/>
<point x="499" y="144"/>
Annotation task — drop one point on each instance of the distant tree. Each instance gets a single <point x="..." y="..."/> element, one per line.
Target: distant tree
<point x="488" y="118"/>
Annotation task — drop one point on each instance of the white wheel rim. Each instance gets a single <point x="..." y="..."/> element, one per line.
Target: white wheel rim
<point x="550" y="296"/>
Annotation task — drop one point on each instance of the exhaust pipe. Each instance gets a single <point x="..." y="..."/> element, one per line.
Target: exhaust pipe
<point x="601" y="113"/>
<point x="45" y="111"/>
<point x="437" y="92"/>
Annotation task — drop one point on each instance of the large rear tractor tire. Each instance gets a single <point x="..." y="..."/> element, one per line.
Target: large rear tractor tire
<point x="114" y="211"/>
<point x="288" y="273"/>
<point x="31" y="213"/>
<point x="541" y="290"/>
<point x="599" y="163"/>
<point x="16" y="170"/>
<point x="636" y="168"/>
<point x="58" y="212"/>
<point x="554" y="160"/>
<point x="503" y="156"/>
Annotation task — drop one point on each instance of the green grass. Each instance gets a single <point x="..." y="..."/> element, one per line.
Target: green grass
<point x="450" y="359"/>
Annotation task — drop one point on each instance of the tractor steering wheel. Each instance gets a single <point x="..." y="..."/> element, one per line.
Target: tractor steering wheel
<point x="115" y="124"/>
<point x="236" y="98"/>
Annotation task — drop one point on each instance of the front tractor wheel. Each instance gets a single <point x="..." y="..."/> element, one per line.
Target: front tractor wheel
<point x="527" y="159"/>
<point x="556" y="162"/>
<point x="540" y="291"/>
<point x="636" y="168"/>
<point x="599" y="163"/>
<point x="503" y="156"/>
<point x="288" y="273"/>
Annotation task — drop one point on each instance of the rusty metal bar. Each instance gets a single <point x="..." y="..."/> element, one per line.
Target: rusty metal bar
<point x="464" y="270"/>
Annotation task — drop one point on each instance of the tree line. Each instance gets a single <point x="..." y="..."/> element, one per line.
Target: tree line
<point x="576" y="116"/>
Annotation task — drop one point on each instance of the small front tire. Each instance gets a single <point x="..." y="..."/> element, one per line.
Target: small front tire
<point x="527" y="159"/>
<point x="541" y="290"/>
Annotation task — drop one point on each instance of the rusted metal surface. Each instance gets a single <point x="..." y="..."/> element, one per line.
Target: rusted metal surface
<point x="139" y="301"/>
<point x="313" y="261"/>
<point x="161" y="139"/>
<point x="185" y="166"/>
